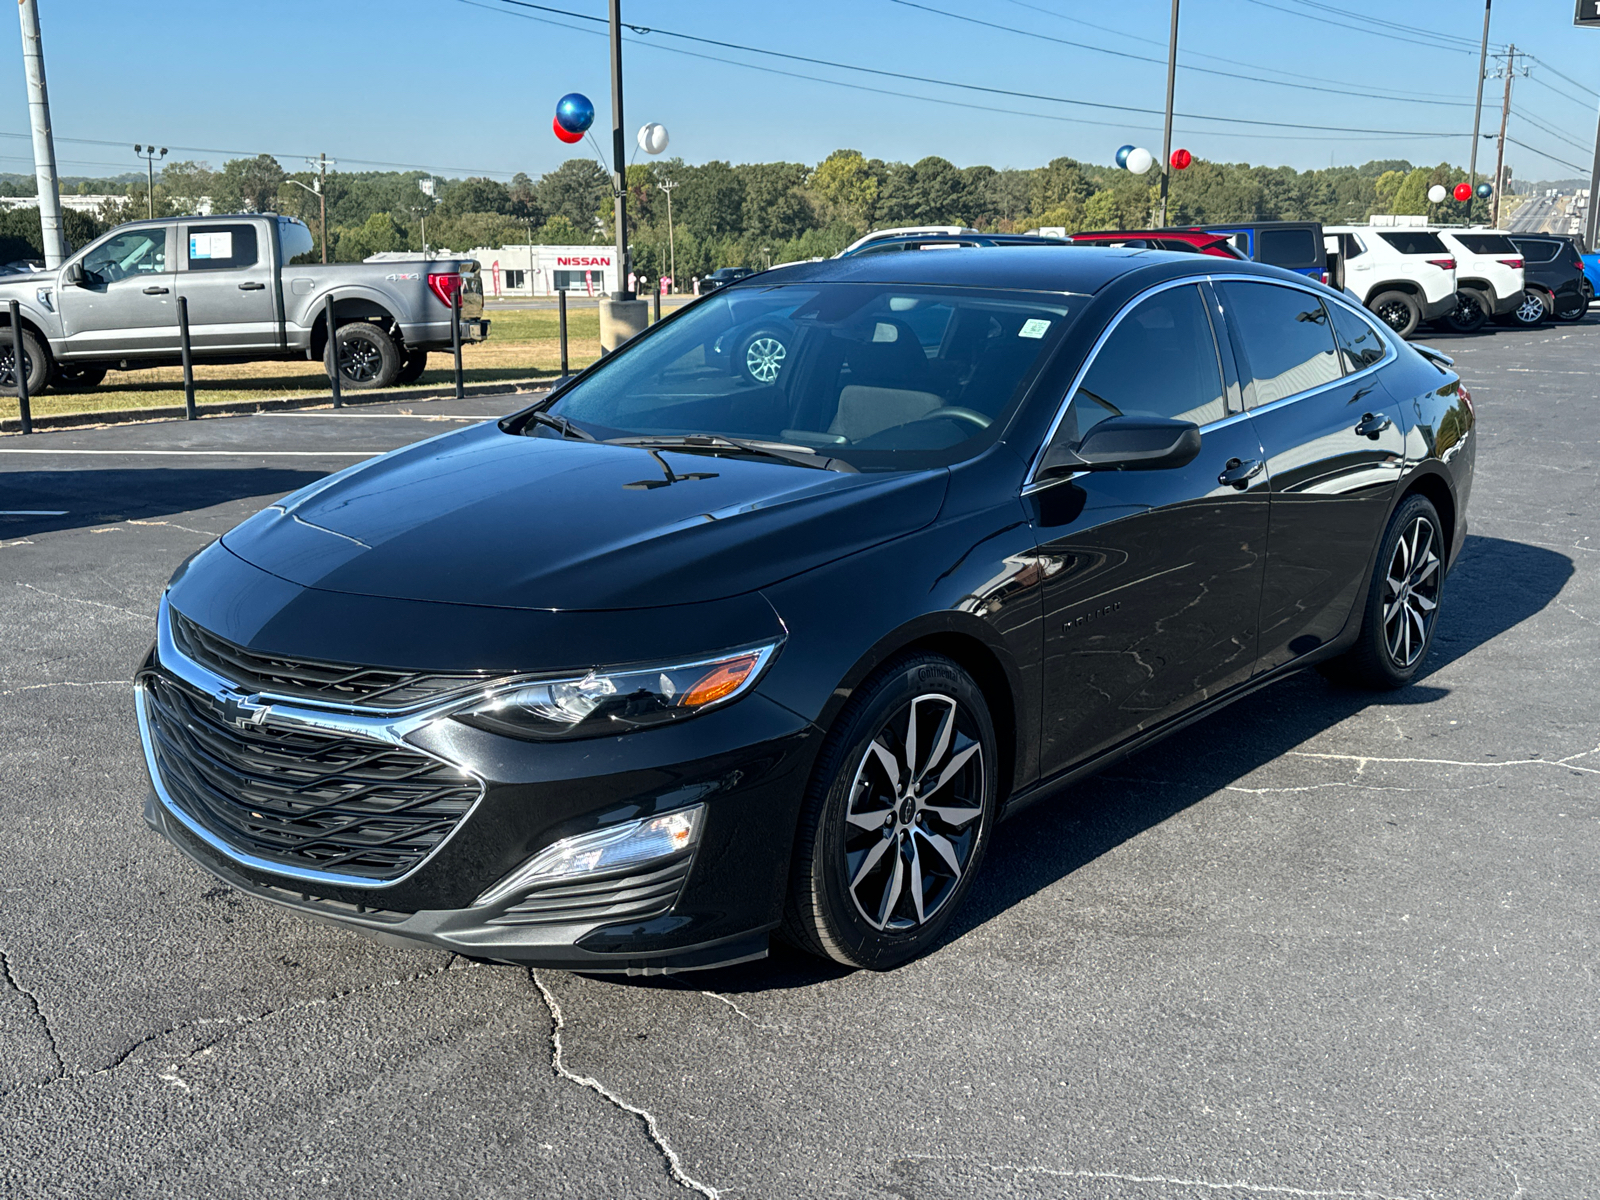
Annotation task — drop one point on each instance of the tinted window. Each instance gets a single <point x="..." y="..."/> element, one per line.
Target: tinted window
<point x="1284" y="333"/>
<point x="221" y="247"/>
<point x="1288" y="248"/>
<point x="1360" y="345"/>
<point x="882" y="376"/>
<point x="136" y="252"/>
<point x="1536" y="250"/>
<point x="1486" y="243"/>
<point x="1160" y="361"/>
<point x="1414" y="241"/>
<point x="1350" y="246"/>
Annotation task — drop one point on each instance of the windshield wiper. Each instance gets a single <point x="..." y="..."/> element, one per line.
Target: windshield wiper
<point x="702" y="443"/>
<point x="567" y="428"/>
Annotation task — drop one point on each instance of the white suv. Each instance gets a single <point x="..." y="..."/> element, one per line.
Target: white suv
<point x="1404" y="275"/>
<point x="1489" y="278"/>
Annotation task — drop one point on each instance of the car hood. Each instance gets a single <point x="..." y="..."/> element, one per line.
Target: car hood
<point x="484" y="517"/>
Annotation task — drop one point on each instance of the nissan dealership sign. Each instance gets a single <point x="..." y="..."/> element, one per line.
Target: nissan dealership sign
<point x="546" y="270"/>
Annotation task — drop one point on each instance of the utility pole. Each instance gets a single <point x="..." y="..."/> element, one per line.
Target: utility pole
<point x="1166" y="134"/>
<point x="1500" y="151"/>
<point x="322" y="196"/>
<point x="619" y="177"/>
<point x="149" y="154"/>
<point x="44" y="146"/>
<point x="1477" y="110"/>
<point x="666" y="186"/>
<point x="1591" y="212"/>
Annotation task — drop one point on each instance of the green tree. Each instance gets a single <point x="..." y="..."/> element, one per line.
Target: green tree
<point x="775" y="208"/>
<point x="844" y="187"/>
<point x="709" y="200"/>
<point x="560" y="231"/>
<point x="247" y="185"/>
<point x="575" y="190"/>
<point x="475" y="195"/>
<point x="188" y="185"/>
<point x="379" y="233"/>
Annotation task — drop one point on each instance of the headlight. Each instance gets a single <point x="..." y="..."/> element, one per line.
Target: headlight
<point x="607" y="702"/>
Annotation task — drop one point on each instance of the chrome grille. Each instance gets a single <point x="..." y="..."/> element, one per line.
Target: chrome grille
<point x="628" y="897"/>
<point x="307" y="799"/>
<point x="313" y="679"/>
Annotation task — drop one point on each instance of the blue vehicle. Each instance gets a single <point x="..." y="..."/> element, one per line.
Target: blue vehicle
<point x="1591" y="276"/>
<point x="1293" y="245"/>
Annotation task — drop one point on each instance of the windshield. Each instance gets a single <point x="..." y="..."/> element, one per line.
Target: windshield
<point x="879" y="376"/>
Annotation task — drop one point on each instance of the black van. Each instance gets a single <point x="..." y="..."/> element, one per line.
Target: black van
<point x="1294" y="245"/>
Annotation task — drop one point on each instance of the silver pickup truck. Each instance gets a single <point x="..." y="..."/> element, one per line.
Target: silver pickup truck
<point x="114" y="304"/>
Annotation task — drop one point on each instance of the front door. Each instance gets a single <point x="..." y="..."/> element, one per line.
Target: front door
<point x="1153" y="577"/>
<point x="1335" y="451"/>
<point x="226" y="276"/>
<point x="125" y="307"/>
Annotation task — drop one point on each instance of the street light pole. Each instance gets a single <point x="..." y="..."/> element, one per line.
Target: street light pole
<point x="149" y="154"/>
<point x="666" y="186"/>
<point x="619" y="178"/>
<point x="44" y="146"/>
<point x="1166" y="135"/>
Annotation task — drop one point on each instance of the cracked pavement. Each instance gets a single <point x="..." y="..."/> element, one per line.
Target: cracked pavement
<point x="1325" y="944"/>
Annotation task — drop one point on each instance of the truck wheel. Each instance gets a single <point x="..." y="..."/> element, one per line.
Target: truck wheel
<point x="1532" y="310"/>
<point x="76" y="379"/>
<point x="36" y="363"/>
<point x="1471" y="312"/>
<point x="412" y="366"/>
<point x="368" y="357"/>
<point x="1398" y="311"/>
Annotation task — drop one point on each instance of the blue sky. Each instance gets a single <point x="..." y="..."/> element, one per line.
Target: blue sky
<point x="469" y="86"/>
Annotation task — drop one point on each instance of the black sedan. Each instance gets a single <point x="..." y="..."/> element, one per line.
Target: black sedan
<point x="678" y="659"/>
<point x="721" y="278"/>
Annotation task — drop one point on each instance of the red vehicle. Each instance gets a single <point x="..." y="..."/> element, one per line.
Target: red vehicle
<point x="1196" y="241"/>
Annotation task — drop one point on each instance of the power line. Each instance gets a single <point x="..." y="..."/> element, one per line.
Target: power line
<point x="974" y="87"/>
<point x="1321" y="10"/>
<point x="1544" y="154"/>
<point x="1323" y="19"/>
<point x="1308" y="87"/>
<point x="1586" y="105"/>
<point x="1523" y="114"/>
<point x="1580" y="86"/>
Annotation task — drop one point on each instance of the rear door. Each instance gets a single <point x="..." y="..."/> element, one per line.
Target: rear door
<point x="225" y="273"/>
<point x="1334" y="447"/>
<point x="1153" y="577"/>
<point x="125" y="307"/>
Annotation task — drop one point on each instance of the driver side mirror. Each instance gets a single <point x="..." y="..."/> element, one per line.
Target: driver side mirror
<point x="1126" y="444"/>
<point x="73" y="274"/>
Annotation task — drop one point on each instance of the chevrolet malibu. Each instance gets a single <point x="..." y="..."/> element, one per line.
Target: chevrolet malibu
<point x="678" y="658"/>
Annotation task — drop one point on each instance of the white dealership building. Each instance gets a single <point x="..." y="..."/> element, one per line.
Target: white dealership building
<point x="546" y="270"/>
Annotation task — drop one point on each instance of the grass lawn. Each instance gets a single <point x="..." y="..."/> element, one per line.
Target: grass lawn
<point x="522" y="346"/>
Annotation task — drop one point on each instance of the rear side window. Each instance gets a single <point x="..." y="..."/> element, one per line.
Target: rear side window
<point x="1350" y="246"/>
<point x="1288" y="248"/>
<point x="1536" y="250"/>
<point x="1286" y="338"/>
<point x="1160" y="361"/>
<point x="1486" y="243"/>
<point x="1414" y="241"/>
<point x="1360" y="345"/>
<point x="220" y="247"/>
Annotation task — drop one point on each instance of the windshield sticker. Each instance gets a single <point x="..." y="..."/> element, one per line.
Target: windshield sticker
<point x="1033" y="328"/>
<point x="210" y="245"/>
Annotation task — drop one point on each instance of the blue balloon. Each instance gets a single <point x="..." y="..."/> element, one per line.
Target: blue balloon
<point x="1122" y="155"/>
<point x="1485" y="191"/>
<point x="575" y="112"/>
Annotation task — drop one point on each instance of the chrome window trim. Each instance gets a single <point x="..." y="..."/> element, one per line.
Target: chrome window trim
<point x="289" y="714"/>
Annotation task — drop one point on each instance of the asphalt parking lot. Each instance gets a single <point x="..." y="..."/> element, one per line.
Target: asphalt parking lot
<point x="1326" y="944"/>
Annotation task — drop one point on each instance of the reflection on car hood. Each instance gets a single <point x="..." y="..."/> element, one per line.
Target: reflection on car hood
<point x="485" y="517"/>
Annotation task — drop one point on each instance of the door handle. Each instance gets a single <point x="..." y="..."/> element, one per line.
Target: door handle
<point x="1372" y="424"/>
<point x="155" y="291"/>
<point x="1239" y="472"/>
<point x="251" y="287"/>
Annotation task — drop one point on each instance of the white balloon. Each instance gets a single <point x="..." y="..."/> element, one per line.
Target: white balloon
<point x="1140" y="160"/>
<point x="1437" y="193"/>
<point x="653" y="138"/>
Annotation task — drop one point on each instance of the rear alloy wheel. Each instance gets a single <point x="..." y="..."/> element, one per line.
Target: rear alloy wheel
<point x="897" y="819"/>
<point x="368" y="357"/>
<point x="1398" y="310"/>
<point x="1470" y="314"/>
<point x="1530" y="311"/>
<point x="1402" y="602"/>
<point x="761" y="356"/>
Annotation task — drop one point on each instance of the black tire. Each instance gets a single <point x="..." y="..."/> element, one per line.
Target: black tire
<point x="36" y="362"/>
<point x="76" y="379"/>
<point x="760" y="355"/>
<point x="412" y="366"/>
<point x="1398" y="310"/>
<point x="368" y="357"/>
<point x="1586" y="288"/>
<point x="1571" y="309"/>
<point x="1531" y="311"/>
<point x="1397" y="626"/>
<point x="1470" y="314"/>
<point x="865" y="835"/>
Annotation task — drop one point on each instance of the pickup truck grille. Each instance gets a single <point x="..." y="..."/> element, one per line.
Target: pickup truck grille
<point x="306" y="799"/>
<point x="311" y="679"/>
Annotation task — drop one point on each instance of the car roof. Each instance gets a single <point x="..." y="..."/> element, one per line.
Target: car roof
<point x="1082" y="269"/>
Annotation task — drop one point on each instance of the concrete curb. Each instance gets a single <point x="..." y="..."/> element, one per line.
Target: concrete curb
<point x="134" y="416"/>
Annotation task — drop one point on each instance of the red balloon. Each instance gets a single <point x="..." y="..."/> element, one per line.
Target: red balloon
<point x="1181" y="159"/>
<point x="569" y="138"/>
<point x="1463" y="192"/>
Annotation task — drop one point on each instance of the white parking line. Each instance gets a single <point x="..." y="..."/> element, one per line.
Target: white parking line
<point x="215" y="453"/>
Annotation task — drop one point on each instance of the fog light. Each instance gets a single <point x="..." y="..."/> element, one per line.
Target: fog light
<point x="604" y="850"/>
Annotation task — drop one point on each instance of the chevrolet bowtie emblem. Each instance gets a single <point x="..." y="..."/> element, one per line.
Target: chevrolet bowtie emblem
<point x="243" y="711"/>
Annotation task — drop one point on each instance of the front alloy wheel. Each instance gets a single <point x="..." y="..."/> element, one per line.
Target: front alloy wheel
<point x="1411" y="593"/>
<point x="1530" y="310"/>
<point x="896" y="818"/>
